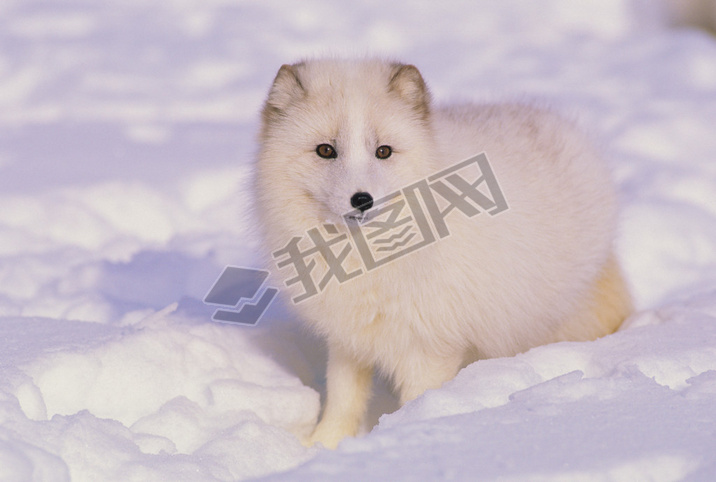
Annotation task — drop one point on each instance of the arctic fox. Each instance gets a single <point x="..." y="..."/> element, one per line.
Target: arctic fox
<point x="337" y="136"/>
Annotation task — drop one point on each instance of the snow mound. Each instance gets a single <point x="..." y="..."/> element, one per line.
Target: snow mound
<point x="126" y="138"/>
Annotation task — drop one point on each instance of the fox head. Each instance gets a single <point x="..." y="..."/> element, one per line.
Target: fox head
<point x="338" y="135"/>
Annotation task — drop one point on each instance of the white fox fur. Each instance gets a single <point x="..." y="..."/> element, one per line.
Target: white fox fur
<point x="540" y="272"/>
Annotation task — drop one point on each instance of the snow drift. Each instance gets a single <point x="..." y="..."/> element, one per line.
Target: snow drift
<point x="126" y="138"/>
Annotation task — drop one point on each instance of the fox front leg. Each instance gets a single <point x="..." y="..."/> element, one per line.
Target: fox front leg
<point x="348" y="389"/>
<point x="416" y="374"/>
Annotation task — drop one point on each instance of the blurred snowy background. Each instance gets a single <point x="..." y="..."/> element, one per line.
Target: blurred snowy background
<point x="126" y="140"/>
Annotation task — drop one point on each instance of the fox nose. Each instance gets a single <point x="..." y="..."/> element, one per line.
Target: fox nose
<point x="362" y="201"/>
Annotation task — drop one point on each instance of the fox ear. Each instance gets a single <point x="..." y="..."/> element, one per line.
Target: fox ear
<point x="286" y="87"/>
<point x="406" y="81"/>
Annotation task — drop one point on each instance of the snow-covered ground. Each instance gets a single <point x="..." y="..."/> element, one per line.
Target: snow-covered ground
<point x="126" y="138"/>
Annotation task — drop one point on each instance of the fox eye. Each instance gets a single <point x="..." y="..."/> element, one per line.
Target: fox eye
<point x="326" y="151"/>
<point x="383" y="152"/>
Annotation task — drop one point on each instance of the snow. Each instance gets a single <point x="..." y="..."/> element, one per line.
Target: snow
<point x="126" y="140"/>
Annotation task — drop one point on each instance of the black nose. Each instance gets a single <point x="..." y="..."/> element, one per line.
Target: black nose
<point x="362" y="201"/>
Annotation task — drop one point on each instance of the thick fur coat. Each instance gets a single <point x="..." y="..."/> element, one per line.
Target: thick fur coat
<point x="542" y="271"/>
